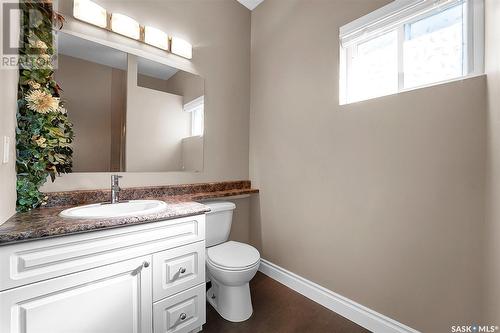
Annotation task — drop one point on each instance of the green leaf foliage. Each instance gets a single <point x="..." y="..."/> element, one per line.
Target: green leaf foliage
<point x="43" y="138"/>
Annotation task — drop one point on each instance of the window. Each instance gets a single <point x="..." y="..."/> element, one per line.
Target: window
<point x="196" y="108"/>
<point x="409" y="44"/>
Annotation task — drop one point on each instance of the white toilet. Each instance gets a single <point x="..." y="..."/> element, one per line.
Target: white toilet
<point x="230" y="265"/>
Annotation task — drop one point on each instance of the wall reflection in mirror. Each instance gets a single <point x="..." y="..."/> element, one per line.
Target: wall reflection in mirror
<point x="130" y="114"/>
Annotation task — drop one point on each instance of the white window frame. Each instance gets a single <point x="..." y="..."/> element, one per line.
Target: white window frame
<point x="194" y="107"/>
<point x="394" y="16"/>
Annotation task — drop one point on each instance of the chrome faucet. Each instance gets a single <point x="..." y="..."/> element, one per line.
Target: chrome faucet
<point x="115" y="189"/>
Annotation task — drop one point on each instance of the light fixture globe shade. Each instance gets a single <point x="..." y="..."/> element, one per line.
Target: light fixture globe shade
<point x="125" y="26"/>
<point x="90" y="12"/>
<point x="155" y="37"/>
<point x="181" y="47"/>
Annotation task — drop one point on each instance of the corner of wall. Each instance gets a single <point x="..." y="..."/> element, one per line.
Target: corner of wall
<point x="8" y="107"/>
<point x="491" y="290"/>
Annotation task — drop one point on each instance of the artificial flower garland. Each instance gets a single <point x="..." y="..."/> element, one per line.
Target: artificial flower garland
<point x="44" y="134"/>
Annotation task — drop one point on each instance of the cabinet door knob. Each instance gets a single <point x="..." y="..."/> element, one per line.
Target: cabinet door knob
<point x="183" y="316"/>
<point x="182" y="270"/>
<point x="145" y="264"/>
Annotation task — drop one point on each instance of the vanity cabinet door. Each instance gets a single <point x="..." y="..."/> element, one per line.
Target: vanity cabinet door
<point x="112" y="299"/>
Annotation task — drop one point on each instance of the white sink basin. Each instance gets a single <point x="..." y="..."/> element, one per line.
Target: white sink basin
<point x="122" y="209"/>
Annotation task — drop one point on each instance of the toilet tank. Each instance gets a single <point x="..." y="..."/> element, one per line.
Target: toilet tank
<point x="218" y="222"/>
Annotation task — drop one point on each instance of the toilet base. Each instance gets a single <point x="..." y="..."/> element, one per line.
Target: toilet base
<point x="233" y="303"/>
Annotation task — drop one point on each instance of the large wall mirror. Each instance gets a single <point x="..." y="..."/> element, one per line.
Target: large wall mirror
<point x="130" y="114"/>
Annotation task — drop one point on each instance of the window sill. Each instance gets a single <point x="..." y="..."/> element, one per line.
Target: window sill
<point x="192" y="136"/>
<point x="462" y="78"/>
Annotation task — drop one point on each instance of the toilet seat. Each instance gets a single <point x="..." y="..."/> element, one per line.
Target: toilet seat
<point x="233" y="256"/>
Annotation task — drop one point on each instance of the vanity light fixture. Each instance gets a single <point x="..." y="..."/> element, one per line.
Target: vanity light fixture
<point x="181" y="47"/>
<point x="125" y="26"/>
<point x="90" y="12"/>
<point x="156" y="37"/>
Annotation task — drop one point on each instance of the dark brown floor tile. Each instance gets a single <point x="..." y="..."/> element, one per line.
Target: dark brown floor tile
<point x="281" y="310"/>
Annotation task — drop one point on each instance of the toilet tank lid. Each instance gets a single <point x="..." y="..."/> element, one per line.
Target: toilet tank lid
<point x="219" y="206"/>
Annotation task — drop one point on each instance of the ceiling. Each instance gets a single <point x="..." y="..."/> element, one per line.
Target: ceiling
<point x="250" y="4"/>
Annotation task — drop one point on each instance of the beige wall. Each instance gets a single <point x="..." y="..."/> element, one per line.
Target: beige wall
<point x="165" y="124"/>
<point x="87" y="94"/>
<point x="380" y="201"/>
<point x="156" y="125"/>
<point x="8" y="107"/>
<point x="118" y="113"/>
<point x="152" y="83"/>
<point x="492" y="231"/>
<point x="240" y="229"/>
<point x="94" y="95"/>
<point x="192" y="153"/>
<point x="220" y="33"/>
<point x="185" y="84"/>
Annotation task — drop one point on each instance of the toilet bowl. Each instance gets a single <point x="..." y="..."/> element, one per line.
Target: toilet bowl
<point x="230" y="265"/>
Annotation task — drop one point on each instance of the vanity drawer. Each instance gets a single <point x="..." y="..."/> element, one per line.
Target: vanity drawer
<point x="181" y="313"/>
<point x="178" y="269"/>
<point x="25" y="263"/>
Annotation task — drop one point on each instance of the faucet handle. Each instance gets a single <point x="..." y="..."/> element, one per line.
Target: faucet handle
<point x="115" y="178"/>
<point x="115" y="188"/>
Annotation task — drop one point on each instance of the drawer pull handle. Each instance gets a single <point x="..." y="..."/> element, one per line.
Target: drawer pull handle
<point x="183" y="316"/>
<point x="136" y="271"/>
<point x="182" y="270"/>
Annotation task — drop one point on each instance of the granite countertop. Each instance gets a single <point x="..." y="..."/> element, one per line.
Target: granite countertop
<point x="45" y="222"/>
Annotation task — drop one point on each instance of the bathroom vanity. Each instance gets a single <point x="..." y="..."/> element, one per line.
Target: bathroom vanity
<point x="143" y="277"/>
<point x="138" y="273"/>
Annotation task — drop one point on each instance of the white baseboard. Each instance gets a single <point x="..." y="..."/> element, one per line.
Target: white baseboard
<point x="345" y="307"/>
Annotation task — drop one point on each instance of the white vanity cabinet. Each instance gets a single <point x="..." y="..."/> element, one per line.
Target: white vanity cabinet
<point x="147" y="278"/>
<point x="113" y="298"/>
